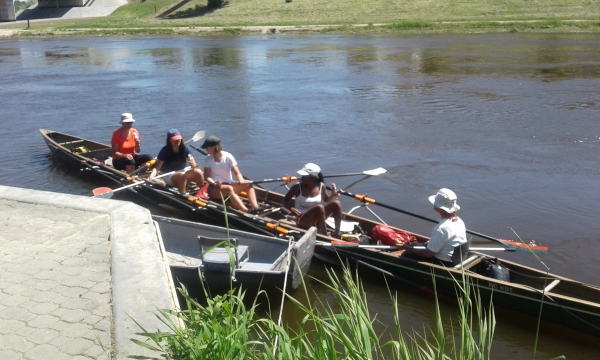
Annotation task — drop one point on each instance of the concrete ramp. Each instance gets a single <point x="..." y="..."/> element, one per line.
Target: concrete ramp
<point x="93" y="8"/>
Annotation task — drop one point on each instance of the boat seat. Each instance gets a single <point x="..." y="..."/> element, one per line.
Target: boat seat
<point x="469" y="262"/>
<point x="257" y="266"/>
<point x="214" y="253"/>
<point x="551" y="285"/>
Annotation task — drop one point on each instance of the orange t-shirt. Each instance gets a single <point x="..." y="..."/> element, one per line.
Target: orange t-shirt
<point x="126" y="146"/>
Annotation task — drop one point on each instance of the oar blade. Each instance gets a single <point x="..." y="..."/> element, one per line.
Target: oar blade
<point x="520" y="246"/>
<point x="375" y="172"/>
<point x="197" y="136"/>
<point x="103" y="192"/>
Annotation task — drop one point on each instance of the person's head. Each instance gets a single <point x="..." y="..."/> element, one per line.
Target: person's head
<point x="127" y="120"/>
<point x="212" y="145"/>
<point x="174" y="139"/>
<point x="444" y="202"/>
<point x="311" y="173"/>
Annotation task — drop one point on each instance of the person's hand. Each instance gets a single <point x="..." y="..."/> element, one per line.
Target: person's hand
<point x="192" y="162"/>
<point x="403" y="245"/>
<point x="217" y="184"/>
<point x="295" y="212"/>
<point x="129" y="156"/>
<point x="334" y="190"/>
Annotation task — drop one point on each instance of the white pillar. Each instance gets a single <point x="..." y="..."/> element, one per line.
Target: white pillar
<point x="7" y="10"/>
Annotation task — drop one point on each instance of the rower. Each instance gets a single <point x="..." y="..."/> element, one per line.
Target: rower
<point x="448" y="236"/>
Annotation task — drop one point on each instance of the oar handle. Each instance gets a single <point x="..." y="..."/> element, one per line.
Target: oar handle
<point x="286" y="179"/>
<point x="148" y="164"/>
<point x="156" y="177"/>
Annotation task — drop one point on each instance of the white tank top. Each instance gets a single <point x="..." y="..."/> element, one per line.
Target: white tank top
<point x="304" y="203"/>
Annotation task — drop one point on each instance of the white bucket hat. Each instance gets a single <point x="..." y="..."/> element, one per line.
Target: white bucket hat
<point x="310" y="169"/>
<point x="127" y="117"/>
<point x="445" y="199"/>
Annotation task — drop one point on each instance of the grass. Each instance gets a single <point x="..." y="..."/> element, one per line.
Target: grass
<point x="226" y="329"/>
<point x="376" y="16"/>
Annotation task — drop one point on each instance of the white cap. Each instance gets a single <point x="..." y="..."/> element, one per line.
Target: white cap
<point x="127" y="117"/>
<point x="445" y="199"/>
<point x="310" y="169"/>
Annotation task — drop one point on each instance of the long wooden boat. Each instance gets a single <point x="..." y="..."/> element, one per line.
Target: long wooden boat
<point x="264" y="262"/>
<point x="564" y="301"/>
<point x="91" y="155"/>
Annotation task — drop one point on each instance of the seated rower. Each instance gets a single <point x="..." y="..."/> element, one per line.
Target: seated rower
<point x="175" y="156"/>
<point x="313" y="205"/>
<point x="447" y="235"/>
<point x="125" y="144"/>
<point x="219" y="168"/>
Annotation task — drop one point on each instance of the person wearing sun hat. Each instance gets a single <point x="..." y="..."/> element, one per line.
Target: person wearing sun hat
<point x="448" y="235"/>
<point x="174" y="157"/>
<point x="219" y="168"/>
<point x="126" y="148"/>
<point x="313" y="205"/>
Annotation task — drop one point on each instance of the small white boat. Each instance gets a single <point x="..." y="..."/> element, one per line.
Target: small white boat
<point x="225" y="258"/>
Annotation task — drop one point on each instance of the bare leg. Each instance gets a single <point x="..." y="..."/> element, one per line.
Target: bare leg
<point x="227" y="190"/>
<point x="196" y="176"/>
<point x="178" y="179"/>
<point x="335" y="208"/>
<point x="250" y="193"/>
<point x="316" y="215"/>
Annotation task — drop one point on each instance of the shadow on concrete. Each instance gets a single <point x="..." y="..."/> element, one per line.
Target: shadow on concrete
<point x="44" y="13"/>
<point x="193" y="12"/>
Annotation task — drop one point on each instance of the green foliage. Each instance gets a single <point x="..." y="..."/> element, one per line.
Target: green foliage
<point x="226" y="329"/>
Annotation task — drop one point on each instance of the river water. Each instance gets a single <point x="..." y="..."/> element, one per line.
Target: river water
<point x="510" y="122"/>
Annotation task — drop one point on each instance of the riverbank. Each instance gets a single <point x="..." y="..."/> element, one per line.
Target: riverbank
<point x="172" y="17"/>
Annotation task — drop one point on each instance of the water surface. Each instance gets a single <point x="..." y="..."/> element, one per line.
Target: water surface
<point x="510" y="122"/>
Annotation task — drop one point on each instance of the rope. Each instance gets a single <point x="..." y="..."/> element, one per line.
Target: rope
<point x="287" y="269"/>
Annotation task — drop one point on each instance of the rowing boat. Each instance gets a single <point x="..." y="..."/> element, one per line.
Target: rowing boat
<point x="254" y="262"/>
<point x="95" y="157"/>
<point x="563" y="301"/>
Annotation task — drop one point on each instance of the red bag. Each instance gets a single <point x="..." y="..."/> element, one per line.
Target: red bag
<point x="389" y="236"/>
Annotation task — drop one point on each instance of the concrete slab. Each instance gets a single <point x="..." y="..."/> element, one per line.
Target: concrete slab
<point x="74" y="269"/>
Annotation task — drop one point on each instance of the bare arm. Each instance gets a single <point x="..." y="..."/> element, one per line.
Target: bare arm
<point x="327" y="198"/>
<point x="293" y="192"/>
<point x="238" y="174"/>
<point x="157" y="166"/>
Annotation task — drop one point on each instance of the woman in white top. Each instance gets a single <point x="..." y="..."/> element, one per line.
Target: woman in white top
<point x="447" y="235"/>
<point x="219" y="168"/>
<point x="312" y="204"/>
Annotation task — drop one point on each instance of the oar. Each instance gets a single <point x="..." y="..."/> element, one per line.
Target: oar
<point x="107" y="193"/>
<point x="340" y="243"/>
<point x="197" y="136"/>
<point x="287" y="179"/>
<point x="509" y="243"/>
<point x="149" y="163"/>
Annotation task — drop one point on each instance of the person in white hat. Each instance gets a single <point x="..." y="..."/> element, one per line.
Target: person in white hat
<point x="125" y="144"/>
<point x="313" y="205"/>
<point x="447" y="235"/>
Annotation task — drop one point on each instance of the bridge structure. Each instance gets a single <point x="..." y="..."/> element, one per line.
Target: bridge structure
<point x="7" y="10"/>
<point x="56" y="10"/>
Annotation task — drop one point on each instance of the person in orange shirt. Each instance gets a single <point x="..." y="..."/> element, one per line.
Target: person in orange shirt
<point x="126" y="146"/>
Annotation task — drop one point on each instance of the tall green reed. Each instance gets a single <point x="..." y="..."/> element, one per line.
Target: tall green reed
<point x="227" y="329"/>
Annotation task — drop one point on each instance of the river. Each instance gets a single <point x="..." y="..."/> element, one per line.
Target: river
<point x="510" y="122"/>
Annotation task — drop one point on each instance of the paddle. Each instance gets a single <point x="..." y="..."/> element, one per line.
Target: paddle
<point x="341" y="243"/>
<point x="287" y="179"/>
<point x="509" y="243"/>
<point x="197" y="136"/>
<point x="107" y="193"/>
